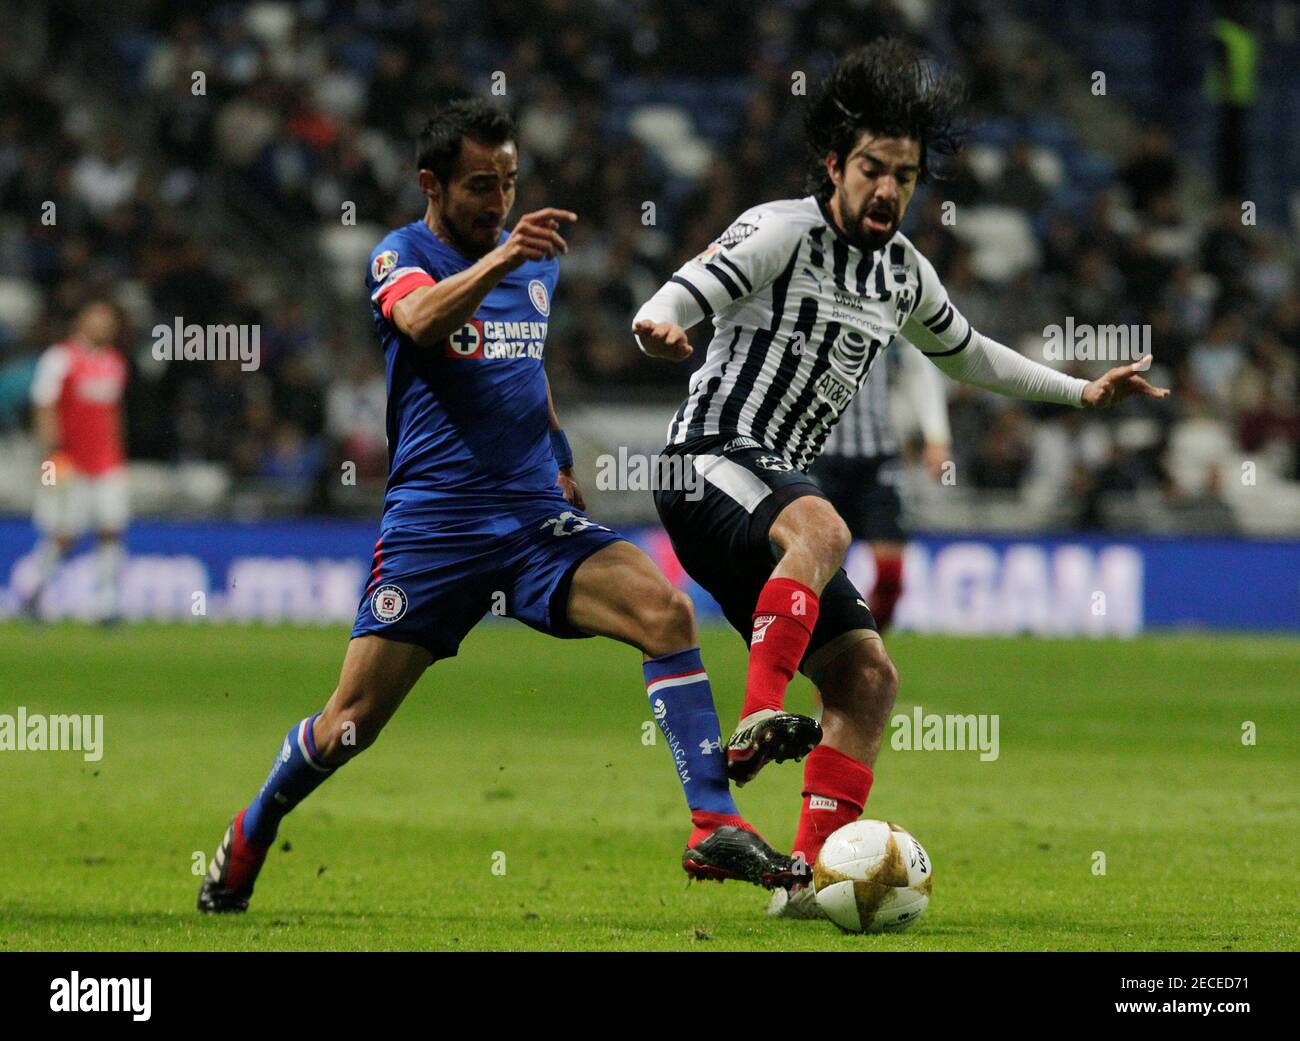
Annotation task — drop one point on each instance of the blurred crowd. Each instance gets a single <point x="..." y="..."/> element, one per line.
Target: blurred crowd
<point x="234" y="162"/>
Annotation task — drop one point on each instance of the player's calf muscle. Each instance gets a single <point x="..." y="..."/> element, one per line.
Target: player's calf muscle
<point x="858" y="689"/>
<point x="377" y="675"/>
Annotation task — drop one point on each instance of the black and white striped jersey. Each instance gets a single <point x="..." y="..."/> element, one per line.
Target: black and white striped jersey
<point x="800" y="316"/>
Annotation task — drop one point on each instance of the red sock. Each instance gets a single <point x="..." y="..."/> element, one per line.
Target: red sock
<point x="889" y="587"/>
<point x="707" y="823"/>
<point x="783" y="623"/>
<point x="245" y="858"/>
<point x="835" y="788"/>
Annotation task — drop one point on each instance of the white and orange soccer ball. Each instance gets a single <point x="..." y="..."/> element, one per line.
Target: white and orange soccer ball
<point x="872" y="877"/>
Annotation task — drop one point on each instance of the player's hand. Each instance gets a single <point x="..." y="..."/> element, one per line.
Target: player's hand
<point x="1119" y="383"/>
<point x="568" y="483"/>
<point x="935" y="457"/>
<point x="535" y="236"/>
<point x="663" y="340"/>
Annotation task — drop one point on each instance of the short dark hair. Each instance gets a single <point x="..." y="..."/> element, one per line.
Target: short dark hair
<point x="438" y="146"/>
<point x="886" y="88"/>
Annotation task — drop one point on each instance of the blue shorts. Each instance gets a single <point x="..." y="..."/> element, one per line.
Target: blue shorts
<point x="431" y="585"/>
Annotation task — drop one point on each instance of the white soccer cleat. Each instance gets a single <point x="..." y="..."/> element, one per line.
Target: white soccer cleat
<point x="799" y="902"/>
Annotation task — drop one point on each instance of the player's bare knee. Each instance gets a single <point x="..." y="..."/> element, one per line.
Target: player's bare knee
<point x="877" y="679"/>
<point x="345" y="732"/>
<point x="817" y="530"/>
<point x="667" y="621"/>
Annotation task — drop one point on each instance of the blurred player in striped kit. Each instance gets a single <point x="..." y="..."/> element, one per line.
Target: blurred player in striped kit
<point x="77" y="406"/>
<point x="861" y="469"/>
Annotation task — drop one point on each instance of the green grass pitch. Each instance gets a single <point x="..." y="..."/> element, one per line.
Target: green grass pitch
<point x="528" y="753"/>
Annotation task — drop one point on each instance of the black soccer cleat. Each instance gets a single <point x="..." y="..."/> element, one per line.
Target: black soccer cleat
<point x="228" y="884"/>
<point x="731" y="852"/>
<point x="768" y="736"/>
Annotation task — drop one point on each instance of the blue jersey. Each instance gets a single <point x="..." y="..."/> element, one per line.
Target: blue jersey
<point x="468" y="425"/>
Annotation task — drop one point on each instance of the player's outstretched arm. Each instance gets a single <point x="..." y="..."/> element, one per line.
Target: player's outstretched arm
<point x="429" y="314"/>
<point x="942" y="334"/>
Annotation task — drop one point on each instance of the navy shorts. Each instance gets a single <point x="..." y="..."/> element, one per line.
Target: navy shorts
<point x="431" y="586"/>
<point x="720" y="533"/>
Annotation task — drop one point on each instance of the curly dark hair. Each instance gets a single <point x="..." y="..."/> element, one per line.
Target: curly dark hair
<point x="438" y="146"/>
<point x="886" y="88"/>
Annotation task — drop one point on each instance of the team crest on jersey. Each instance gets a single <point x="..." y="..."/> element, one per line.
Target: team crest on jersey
<point x="736" y="234"/>
<point x="388" y="604"/>
<point x="903" y="305"/>
<point x="467" y="341"/>
<point x="538" y="295"/>
<point x="383" y="264"/>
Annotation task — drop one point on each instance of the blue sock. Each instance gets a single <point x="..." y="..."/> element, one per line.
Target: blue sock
<point x="297" y="773"/>
<point x="682" y="703"/>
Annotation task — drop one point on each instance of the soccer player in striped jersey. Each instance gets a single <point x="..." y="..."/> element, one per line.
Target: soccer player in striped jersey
<point x="860" y="468"/>
<point x="804" y="296"/>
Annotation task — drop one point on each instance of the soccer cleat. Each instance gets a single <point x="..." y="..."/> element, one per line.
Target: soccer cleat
<point x="797" y="902"/>
<point x="731" y="852"/>
<point x="769" y="736"/>
<point x="229" y="881"/>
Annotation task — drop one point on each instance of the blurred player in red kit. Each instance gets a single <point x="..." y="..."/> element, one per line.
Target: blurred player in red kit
<point x="77" y="408"/>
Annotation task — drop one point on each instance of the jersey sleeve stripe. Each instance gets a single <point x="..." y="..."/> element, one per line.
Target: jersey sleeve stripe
<point x="941" y="321"/>
<point x="722" y="259"/>
<point x="732" y="289"/>
<point x="700" y="298"/>
<point x="956" y="350"/>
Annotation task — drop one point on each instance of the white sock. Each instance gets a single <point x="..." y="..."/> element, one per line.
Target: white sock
<point x="108" y="564"/>
<point x="47" y="560"/>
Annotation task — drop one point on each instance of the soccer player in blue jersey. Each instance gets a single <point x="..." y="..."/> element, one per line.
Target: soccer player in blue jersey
<point x="482" y="502"/>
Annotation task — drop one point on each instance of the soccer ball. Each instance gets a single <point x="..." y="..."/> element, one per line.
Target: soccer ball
<point x="872" y="877"/>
